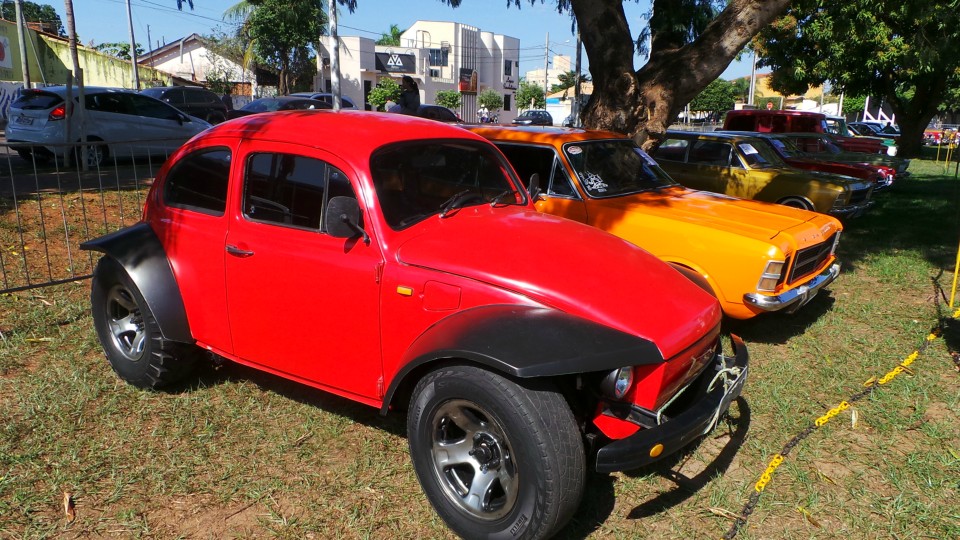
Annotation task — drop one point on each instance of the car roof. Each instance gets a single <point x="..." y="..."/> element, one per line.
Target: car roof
<point x="725" y="135"/>
<point x="326" y="128"/>
<point x="62" y="90"/>
<point x="551" y="135"/>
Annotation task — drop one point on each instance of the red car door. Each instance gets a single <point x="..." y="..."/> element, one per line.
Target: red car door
<point x="301" y="302"/>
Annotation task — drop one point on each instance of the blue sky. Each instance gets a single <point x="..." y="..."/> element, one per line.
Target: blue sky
<point x="104" y="21"/>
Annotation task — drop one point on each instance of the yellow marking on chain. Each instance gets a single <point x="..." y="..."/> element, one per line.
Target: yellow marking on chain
<point x="768" y="474"/>
<point x="831" y="413"/>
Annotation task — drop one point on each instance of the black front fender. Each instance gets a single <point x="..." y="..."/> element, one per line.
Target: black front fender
<point x="141" y="254"/>
<point x="525" y="342"/>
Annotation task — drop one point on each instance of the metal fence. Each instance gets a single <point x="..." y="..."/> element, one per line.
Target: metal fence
<point x="50" y="203"/>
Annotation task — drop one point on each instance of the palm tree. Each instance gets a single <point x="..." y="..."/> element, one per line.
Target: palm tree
<point x="393" y="38"/>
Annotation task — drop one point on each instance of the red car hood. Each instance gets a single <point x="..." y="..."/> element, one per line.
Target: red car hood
<point x="569" y="266"/>
<point x="835" y="167"/>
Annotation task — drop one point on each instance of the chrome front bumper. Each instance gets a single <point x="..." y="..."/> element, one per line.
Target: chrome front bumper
<point x="794" y="298"/>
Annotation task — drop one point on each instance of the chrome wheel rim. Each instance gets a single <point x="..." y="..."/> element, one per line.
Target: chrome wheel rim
<point x="473" y="460"/>
<point x="125" y="323"/>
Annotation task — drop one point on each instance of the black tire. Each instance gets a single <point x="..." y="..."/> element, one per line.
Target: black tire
<point x="130" y="335"/>
<point x="523" y="439"/>
<point x="797" y="202"/>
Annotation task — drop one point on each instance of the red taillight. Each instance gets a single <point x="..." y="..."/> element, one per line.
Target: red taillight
<point x="59" y="113"/>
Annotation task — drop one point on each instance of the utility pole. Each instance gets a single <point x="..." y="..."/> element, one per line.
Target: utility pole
<point x="576" y="88"/>
<point x="21" y="37"/>
<point x="546" y="60"/>
<point x="334" y="55"/>
<point x="753" y="79"/>
<point x="149" y="46"/>
<point x="133" y="49"/>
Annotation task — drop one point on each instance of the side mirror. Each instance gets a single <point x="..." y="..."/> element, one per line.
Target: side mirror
<point x="534" y="187"/>
<point x="342" y="219"/>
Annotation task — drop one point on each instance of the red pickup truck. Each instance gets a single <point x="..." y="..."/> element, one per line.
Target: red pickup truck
<point x="782" y="121"/>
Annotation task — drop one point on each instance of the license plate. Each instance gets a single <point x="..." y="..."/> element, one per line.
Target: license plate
<point x="25" y="120"/>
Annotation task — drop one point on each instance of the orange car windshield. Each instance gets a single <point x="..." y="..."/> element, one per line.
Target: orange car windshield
<point x="615" y="167"/>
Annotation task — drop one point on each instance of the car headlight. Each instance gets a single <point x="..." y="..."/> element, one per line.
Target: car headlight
<point x="618" y="382"/>
<point x="836" y="240"/>
<point x="771" y="276"/>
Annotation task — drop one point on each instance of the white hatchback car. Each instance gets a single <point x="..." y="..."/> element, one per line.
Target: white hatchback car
<point x="121" y="123"/>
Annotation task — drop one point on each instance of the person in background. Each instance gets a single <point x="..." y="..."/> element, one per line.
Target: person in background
<point x="409" y="96"/>
<point x="227" y="100"/>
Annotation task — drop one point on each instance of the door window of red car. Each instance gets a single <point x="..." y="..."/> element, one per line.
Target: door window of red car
<point x="199" y="182"/>
<point x="290" y="190"/>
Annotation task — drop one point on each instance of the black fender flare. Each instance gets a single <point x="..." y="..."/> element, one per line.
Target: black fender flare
<point x="524" y="342"/>
<point x="139" y="251"/>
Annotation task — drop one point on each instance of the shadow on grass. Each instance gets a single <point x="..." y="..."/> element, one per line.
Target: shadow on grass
<point x="778" y="327"/>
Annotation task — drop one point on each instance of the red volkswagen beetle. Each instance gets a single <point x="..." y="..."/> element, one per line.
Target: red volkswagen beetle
<point x="399" y="262"/>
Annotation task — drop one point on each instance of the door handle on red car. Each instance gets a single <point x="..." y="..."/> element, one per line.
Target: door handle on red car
<point x="234" y="250"/>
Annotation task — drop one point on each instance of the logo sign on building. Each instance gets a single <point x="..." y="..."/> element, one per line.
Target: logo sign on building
<point x="468" y="81"/>
<point x="396" y="63"/>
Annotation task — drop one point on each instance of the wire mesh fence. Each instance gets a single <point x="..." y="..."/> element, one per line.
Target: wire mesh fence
<point x="51" y="200"/>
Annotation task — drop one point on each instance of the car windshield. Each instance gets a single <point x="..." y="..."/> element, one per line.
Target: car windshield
<point x="262" y="105"/>
<point x="614" y="167"/>
<point x="759" y="155"/>
<point x="416" y="180"/>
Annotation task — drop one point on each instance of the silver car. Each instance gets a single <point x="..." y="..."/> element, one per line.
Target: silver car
<point x="120" y="123"/>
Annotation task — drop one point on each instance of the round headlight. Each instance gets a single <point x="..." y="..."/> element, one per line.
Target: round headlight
<point x="618" y="382"/>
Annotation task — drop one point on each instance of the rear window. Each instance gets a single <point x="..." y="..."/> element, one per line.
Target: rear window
<point x="37" y="100"/>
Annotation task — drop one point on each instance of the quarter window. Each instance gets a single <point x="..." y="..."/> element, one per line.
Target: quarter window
<point x="291" y="190"/>
<point x="199" y="182"/>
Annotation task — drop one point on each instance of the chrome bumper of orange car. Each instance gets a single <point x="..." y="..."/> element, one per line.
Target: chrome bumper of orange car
<point x="794" y="298"/>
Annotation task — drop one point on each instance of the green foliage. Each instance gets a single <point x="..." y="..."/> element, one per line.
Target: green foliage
<point x="281" y="31"/>
<point x="118" y="50"/>
<point x="718" y="96"/>
<point x="568" y="80"/>
<point x="853" y="104"/>
<point x="530" y="96"/>
<point x="491" y="100"/>
<point x="391" y="38"/>
<point x="449" y="99"/>
<point x="386" y="90"/>
<point x="33" y="12"/>
<point x="741" y="88"/>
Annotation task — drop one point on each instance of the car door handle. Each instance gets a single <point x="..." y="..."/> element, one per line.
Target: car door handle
<point x="234" y="250"/>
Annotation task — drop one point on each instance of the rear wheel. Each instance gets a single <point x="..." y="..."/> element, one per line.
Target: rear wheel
<point x="95" y="154"/>
<point x="495" y="459"/>
<point x="130" y="335"/>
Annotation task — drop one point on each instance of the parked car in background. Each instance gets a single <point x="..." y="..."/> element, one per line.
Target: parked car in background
<point x="881" y="175"/>
<point x="432" y="112"/>
<point x="754" y="257"/>
<point x="425" y="281"/>
<point x="345" y="102"/>
<point x="279" y="103"/>
<point x="120" y="124"/>
<point x="822" y="146"/>
<point x="534" y="118"/>
<point x="193" y="100"/>
<point x="785" y="121"/>
<point x="744" y="166"/>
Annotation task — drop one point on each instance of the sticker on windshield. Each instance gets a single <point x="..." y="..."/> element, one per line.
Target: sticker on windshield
<point x="574" y="150"/>
<point x="593" y="182"/>
<point x="748" y="149"/>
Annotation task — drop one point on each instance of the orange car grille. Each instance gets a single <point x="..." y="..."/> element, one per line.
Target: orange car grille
<point x="809" y="260"/>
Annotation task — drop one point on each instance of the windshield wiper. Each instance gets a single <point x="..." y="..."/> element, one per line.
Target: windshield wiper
<point x="501" y="195"/>
<point x="453" y="202"/>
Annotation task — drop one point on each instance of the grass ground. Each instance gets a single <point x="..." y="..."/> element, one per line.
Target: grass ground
<point x="240" y="454"/>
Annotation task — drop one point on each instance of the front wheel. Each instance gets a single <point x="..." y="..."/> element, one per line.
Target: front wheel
<point x="129" y="333"/>
<point x="495" y="458"/>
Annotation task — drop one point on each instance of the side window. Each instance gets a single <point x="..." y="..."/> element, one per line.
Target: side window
<point x="672" y="150"/>
<point x="291" y="190"/>
<point x="107" y="102"/>
<point x="527" y="160"/>
<point x="560" y="185"/>
<point x="151" y="108"/>
<point x="710" y="153"/>
<point x="174" y="96"/>
<point x="199" y="182"/>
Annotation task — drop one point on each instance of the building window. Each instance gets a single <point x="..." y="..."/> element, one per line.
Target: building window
<point x="506" y="102"/>
<point x="435" y="73"/>
<point x="508" y="67"/>
<point x="438" y="57"/>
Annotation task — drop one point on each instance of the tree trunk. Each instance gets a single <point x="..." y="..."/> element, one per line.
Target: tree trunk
<point x="914" y="115"/>
<point x="644" y="102"/>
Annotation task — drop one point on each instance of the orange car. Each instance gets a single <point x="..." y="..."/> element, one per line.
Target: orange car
<point x="753" y="256"/>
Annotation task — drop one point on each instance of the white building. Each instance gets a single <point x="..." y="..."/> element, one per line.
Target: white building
<point x="189" y="58"/>
<point x="439" y="56"/>
<point x="558" y="66"/>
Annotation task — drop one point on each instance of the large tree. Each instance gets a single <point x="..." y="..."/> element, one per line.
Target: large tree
<point x="282" y="31"/>
<point x="35" y="13"/>
<point x="904" y="51"/>
<point x="391" y="38"/>
<point x="691" y="42"/>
